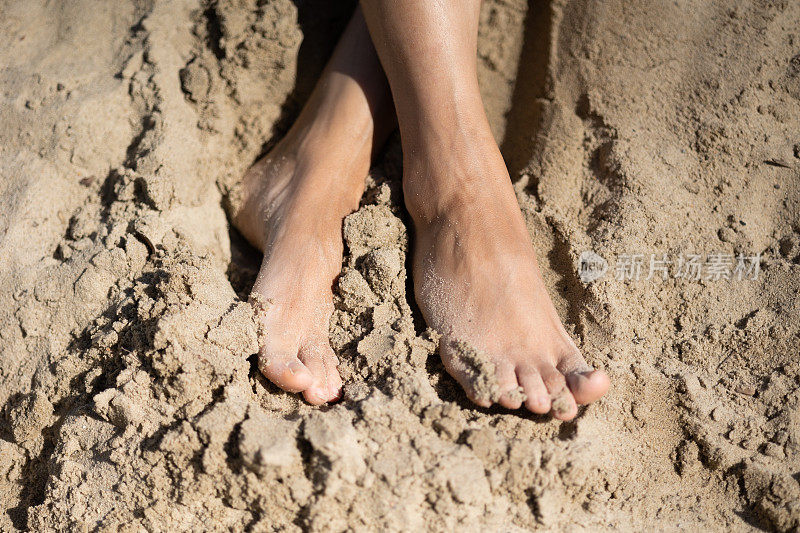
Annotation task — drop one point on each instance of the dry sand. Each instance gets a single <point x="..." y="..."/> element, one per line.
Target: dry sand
<point x="129" y="392"/>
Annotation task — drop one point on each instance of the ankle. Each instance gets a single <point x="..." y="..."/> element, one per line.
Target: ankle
<point x="305" y="164"/>
<point x="297" y="177"/>
<point x="337" y="162"/>
<point x="442" y="182"/>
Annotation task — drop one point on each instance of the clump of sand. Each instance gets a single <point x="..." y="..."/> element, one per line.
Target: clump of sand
<point x="129" y="391"/>
<point x="480" y="369"/>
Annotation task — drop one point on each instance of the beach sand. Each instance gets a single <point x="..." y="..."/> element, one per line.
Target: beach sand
<point x="130" y="397"/>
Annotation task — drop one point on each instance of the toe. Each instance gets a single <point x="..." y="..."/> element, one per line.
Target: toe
<point x="563" y="404"/>
<point x="589" y="386"/>
<point x="321" y="362"/>
<point x="537" y="398"/>
<point x="285" y="370"/>
<point x="571" y="362"/>
<point x="511" y="396"/>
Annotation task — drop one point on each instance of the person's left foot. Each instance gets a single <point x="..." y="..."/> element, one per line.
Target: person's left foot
<point x="292" y="205"/>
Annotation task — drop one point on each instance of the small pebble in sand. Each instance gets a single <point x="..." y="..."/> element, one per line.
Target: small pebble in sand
<point x="773" y="450"/>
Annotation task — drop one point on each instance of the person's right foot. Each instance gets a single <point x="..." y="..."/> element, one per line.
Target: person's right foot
<point x="292" y="203"/>
<point x="477" y="283"/>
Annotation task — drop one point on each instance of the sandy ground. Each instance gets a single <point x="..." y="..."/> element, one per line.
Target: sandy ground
<point x="129" y="392"/>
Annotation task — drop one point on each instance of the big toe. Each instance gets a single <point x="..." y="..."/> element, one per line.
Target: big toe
<point x="326" y="385"/>
<point x="588" y="386"/>
<point x="285" y="370"/>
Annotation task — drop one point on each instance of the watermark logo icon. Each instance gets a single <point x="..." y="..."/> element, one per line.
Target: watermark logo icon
<point x="591" y="266"/>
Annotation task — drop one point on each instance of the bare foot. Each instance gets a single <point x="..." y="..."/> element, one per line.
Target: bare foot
<point x="292" y="205"/>
<point x="477" y="283"/>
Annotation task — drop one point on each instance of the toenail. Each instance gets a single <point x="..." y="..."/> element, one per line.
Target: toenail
<point x="317" y="394"/>
<point x="294" y="367"/>
<point x="543" y="400"/>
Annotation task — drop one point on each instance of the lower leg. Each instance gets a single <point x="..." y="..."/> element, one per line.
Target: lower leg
<point x="476" y="277"/>
<point x="349" y="112"/>
<point x="291" y="206"/>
